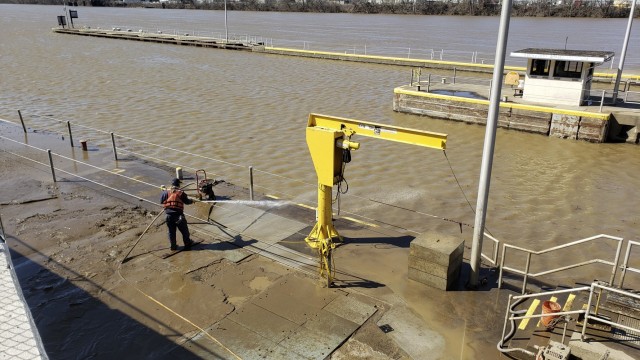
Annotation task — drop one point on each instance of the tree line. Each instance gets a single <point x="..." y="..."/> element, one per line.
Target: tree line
<point x="533" y="8"/>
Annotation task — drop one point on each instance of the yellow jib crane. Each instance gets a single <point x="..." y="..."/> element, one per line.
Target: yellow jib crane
<point x="329" y="142"/>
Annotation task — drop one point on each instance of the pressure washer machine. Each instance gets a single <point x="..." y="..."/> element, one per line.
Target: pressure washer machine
<point x="205" y="185"/>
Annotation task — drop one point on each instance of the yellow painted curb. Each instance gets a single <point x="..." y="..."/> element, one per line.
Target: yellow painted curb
<point x="359" y="221"/>
<point x="538" y="108"/>
<point x="306" y="206"/>
<point x="530" y="311"/>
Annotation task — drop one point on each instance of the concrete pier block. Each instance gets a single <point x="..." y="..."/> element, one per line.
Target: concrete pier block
<point x="436" y="259"/>
<point x="564" y="126"/>
<point x="594" y="130"/>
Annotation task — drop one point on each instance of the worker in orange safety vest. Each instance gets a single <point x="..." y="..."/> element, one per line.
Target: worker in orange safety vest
<point x="173" y="200"/>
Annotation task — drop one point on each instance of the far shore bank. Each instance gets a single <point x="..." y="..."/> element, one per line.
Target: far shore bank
<point x="563" y="8"/>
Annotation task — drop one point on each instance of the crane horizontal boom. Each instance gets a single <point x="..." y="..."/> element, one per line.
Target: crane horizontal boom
<point x="380" y="131"/>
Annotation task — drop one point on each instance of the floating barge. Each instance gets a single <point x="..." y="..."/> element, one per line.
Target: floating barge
<point x="554" y="99"/>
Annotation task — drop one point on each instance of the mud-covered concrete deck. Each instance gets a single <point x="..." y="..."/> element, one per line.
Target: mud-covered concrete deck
<point x="249" y="290"/>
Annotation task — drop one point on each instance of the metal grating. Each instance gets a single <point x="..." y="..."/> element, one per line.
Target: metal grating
<point x="632" y="337"/>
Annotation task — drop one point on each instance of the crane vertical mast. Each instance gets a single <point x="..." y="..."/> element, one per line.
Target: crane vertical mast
<point x="328" y="139"/>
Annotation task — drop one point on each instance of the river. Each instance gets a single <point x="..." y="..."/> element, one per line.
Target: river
<point x="251" y="109"/>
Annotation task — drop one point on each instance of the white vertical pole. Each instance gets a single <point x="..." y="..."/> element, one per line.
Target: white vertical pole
<point x="489" y="145"/>
<point x="623" y="54"/>
<point x="226" y="30"/>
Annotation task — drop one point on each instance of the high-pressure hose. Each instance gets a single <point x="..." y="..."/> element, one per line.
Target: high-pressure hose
<point x="126" y="257"/>
<point x="512" y="332"/>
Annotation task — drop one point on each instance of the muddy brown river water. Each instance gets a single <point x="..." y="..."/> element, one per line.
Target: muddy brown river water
<point x="248" y="109"/>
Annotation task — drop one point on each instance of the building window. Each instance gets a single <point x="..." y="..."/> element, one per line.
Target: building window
<point x="568" y="69"/>
<point x="540" y="67"/>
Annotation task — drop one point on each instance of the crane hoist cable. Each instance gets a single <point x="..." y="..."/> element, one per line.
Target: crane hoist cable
<point x="343" y="186"/>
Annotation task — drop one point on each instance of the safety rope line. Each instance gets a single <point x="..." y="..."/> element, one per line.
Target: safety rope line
<point x="462" y="190"/>
<point x="118" y="270"/>
<point x="303" y="182"/>
<point x="458" y="182"/>
<point x="165" y="147"/>
<point x="74" y="124"/>
<point x="180" y="151"/>
<point x="156" y="159"/>
<point x="85" y="179"/>
<point x="206" y="221"/>
<point x="290" y="195"/>
<point x="158" y="302"/>
<point x="284" y="177"/>
<point x="83" y="163"/>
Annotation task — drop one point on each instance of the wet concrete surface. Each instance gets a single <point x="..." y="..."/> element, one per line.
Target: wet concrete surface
<point x="250" y="290"/>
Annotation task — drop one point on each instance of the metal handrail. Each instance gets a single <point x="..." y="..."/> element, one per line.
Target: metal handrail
<point x="529" y="252"/>
<point x="588" y="316"/>
<point x="496" y="247"/>
<point x="625" y="264"/>
<point x="626" y="95"/>
<point x="454" y="79"/>
<point x="513" y="315"/>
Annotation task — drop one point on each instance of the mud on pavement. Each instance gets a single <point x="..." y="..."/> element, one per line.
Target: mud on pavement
<point x="68" y="241"/>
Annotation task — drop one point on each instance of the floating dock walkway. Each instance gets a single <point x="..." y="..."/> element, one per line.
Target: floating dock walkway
<point x="256" y="46"/>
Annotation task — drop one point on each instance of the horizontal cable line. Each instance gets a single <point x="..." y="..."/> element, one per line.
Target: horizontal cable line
<point x="181" y="151"/>
<point x="100" y="184"/>
<point x="261" y="171"/>
<point x="72" y="123"/>
<point x="85" y="179"/>
<point x="284" y="177"/>
<point x="23" y="144"/>
<point x="154" y="158"/>
<point x="87" y="164"/>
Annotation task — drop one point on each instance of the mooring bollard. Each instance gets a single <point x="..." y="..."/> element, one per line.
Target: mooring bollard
<point x="24" y="128"/>
<point x="113" y="141"/>
<point x="251" y="183"/>
<point x="179" y="173"/>
<point x="53" y="171"/>
<point x="83" y="143"/>
<point x="70" y="134"/>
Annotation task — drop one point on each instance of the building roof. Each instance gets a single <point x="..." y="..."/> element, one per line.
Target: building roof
<point x="566" y="55"/>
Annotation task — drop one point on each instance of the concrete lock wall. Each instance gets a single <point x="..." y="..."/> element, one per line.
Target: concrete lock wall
<point x="540" y="121"/>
